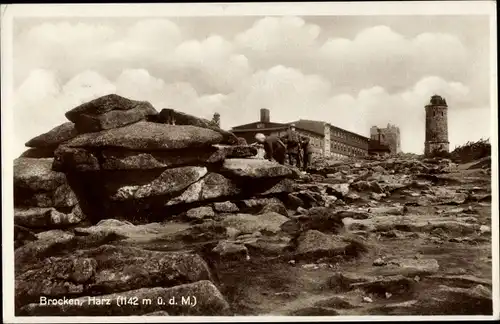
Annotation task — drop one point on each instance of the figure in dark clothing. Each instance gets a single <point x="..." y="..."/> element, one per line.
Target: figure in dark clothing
<point x="292" y="140"/>
<point x="274" y="147"/>
<point x="306" y="152"/>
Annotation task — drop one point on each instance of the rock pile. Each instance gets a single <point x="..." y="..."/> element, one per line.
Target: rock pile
<point x="125" y="203"/>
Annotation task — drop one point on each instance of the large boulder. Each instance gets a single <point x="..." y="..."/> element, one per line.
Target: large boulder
<point x="36" y="174"/>
<point x="211" y="186"/>
<point x="137" y="185"/>
<point x="109" y="112"/>
<point x="171" y="116"/>
<point x="200" y="298"/>
<point x="144" y="136"/>
<point x="53" y="138"/>
<point x="107" y="269"/>
<point x="255" y="168"/>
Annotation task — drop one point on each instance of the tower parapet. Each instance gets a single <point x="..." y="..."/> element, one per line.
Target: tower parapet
<point x="436" y="126"/>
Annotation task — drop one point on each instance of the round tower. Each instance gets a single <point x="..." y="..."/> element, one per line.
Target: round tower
<point x="436" y="126"/>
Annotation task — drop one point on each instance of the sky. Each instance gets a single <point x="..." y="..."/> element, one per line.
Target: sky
<point x="351" y="71"/>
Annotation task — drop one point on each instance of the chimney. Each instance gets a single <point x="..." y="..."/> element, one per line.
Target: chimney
<point x="265" y="115"/>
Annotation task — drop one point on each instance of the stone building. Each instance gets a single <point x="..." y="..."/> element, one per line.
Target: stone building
<point x="325" y="139"/>
<point x="436" y="126"/>
<point x="389" y="136"/>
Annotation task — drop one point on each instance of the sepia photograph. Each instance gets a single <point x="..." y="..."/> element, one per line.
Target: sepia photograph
<point x="258" y="161"/>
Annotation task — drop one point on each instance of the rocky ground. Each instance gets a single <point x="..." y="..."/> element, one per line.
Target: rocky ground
<point x="118" y="212"/>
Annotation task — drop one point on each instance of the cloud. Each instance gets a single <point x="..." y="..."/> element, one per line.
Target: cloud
<point x="372" y="76"/>
<point x="381" y="56"/>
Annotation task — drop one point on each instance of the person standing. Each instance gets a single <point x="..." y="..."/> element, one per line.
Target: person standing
<point x="307" y="152"/>
<point x="293" y="146"/>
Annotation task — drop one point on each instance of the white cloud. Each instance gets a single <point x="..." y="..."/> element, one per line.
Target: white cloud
<point x="272" y="35"/>
<point x="375" y="77"/>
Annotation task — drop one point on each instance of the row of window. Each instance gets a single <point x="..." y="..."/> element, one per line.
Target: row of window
<point x="338" y="156"/>
<point x="349" y="150"/>
<point x="346" y="136"/>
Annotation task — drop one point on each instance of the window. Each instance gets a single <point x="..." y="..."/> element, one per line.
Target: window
<point x="260" y="125"/>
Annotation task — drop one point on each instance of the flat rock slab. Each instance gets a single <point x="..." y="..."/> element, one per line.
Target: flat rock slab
<point x="314" y="244"/>
<point x="248" y="224"/>
<point x="36" y="174"/>
<point x="201" y="298"/>
<point x="149" y="136"/>
<point x="139" y="185"/>
<point x="54" y="137"/>
<point x="38" y="217"/>
<point x="255" y="168"/>
<point x="108" y="269"/>
<point x="410" y="267"/>
<point x="171" y="116"/>
<point x="395" y="285"/>
<point x="133" y="233"/>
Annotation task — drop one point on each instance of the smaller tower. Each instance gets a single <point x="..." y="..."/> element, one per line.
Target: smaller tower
<point x="436" y="126"/>
<point x="216" y="119"/>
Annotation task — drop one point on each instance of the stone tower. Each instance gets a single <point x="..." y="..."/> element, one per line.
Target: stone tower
<point x="436" y="126"/>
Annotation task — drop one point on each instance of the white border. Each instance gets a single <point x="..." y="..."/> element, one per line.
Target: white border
<point x="8" y="12"/>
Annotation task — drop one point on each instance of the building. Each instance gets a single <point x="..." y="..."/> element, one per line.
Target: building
<point x="325" y="139"/>
<point x="436" y="126"/>
<point x="389" y="136"/>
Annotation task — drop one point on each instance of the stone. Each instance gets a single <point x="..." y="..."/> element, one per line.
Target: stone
<point x="277" y="207"/>
<point x="340" y="189"/>
<point x="109" y="112"/>
<point x="209" y="302"/>
<point x="35" y="217"/>
<point x="283" y="186"/>
<point x="212" y="186"/>
<point x="247" y="224"/>
<point x="146" y="136"/>
<point x="54" y="137"/>
<point x="115" y="269"/>
<point x="36" y="174"/>
<point x="226" y="207"/>
<point x="69" y="159"/>
<point x="229" y="251"/>
<point x="259" y="203"/>
<point x="379" y="262"/>
<point x="398" y="210"/>
<point x="294" y="202"/>
<point x="314" y="244"/>
<point x="180" y="118"/>
<point x="23" y="235"/>
<point x="64" y="197"/>
<point x="101" y="106"/>
<point x="158" y="313"/>
<point x="200" y="213"/>
<point x="236" y="151"/>
<point x="395" y="285"/>
<point x="132" y="186"/>
<point x="255" y="168"/>
<point x="33" y="199"/>
<point x="412" y="267"/>
<point x="38" y="153"/>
